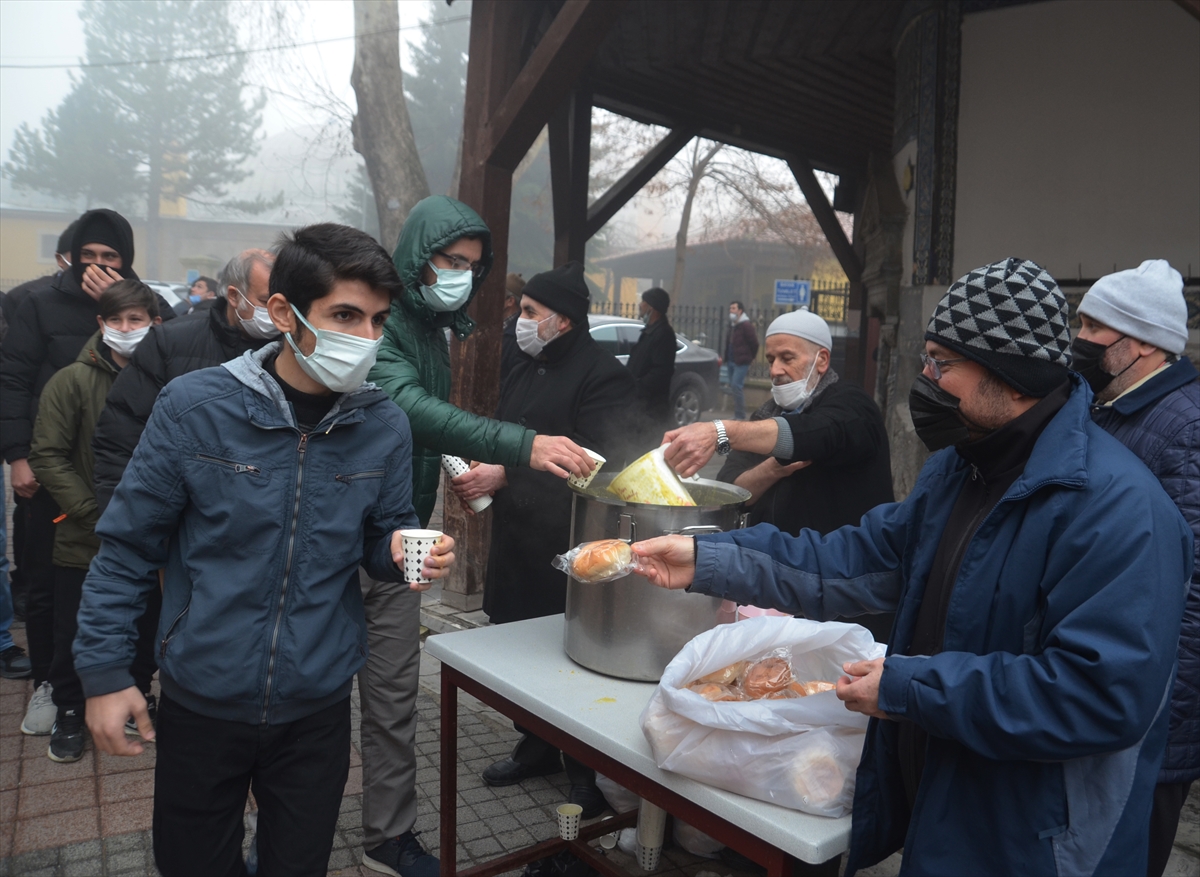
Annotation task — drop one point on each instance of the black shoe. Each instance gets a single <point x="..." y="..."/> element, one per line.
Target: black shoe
<point x="509" y="772"/>
<point x="131" y="728"/>
<point x="402" y="856"/>
<point x="590" y="798"/>
<point x="66" y="738"/>
<point x="14" y="663"/>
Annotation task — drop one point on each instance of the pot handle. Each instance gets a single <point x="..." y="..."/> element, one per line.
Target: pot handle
<point x="694" y="531"/>
<point x="626" y="528"/>
<point x="743" y="520"/>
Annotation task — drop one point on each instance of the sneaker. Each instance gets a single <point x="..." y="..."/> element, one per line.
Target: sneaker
<point x="402" y="856"/>
<point x="131" y="728"/>
<point x="39" y="718"/>
<point x="14" y="663"/>
<point x="66" y="740"/>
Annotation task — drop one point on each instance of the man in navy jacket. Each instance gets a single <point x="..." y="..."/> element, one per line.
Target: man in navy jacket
<point x="1148" y="396"/>
<point x="1038" y="576"/>
<point x="261" y="486"/>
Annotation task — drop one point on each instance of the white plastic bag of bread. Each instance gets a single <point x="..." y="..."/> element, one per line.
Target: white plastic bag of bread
<point x="750" y="708"/>
<point x="649" y="479"/>
<point x="601" y="561"/>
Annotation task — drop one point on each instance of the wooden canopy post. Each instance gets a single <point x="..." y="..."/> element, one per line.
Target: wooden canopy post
<point x="857" y="349"/>
<point x="570" y="157"/>
<point x="507" y="104"/>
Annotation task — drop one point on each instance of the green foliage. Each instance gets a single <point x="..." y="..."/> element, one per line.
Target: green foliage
<point x="435" y="90"/>
<point x="146" y="130"/>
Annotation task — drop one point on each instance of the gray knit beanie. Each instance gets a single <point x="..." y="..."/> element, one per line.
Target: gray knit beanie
<point x="1011" y="318"/>
<point x="1145" y="303"/>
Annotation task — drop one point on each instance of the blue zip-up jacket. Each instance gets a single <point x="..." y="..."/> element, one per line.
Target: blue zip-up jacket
<point x="1160" y="422"/>
<point x="262" y="531"/>
<point x="1047" y="709"/>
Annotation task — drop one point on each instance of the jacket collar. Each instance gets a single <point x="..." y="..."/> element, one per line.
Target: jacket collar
<point x="272" y="406"/>
<point x="561" y="347"/>
<point x="1060" y="454"/>
<point x="1179" y="374"/>
<point x="93" y="353"/>
<point x="218" y="320"/>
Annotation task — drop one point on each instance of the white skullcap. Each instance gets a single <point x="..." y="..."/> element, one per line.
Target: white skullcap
<point x="803" y="324"/>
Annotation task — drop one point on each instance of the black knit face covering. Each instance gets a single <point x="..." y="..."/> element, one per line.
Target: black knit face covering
<point x="935" y="415"/>
<point x="1087" y="358"/>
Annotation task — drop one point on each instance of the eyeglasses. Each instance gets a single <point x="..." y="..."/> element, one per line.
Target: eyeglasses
<point x="459" y="263"/>
<point x="936" y="365"/>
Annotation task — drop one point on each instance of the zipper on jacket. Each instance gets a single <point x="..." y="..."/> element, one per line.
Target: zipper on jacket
<point x="162" y="649"/>
<point x="287" y="574"/>
<point x="346" y="479"/>
<point x="236" y="467"/>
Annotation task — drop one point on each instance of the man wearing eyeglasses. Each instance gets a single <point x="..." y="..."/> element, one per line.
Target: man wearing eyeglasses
<point x="443" y="255"/>
<point x="1038" y="574"/>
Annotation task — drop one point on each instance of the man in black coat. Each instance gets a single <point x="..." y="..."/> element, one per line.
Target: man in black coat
<point x="830" y="463"/>
<point x="652" y="363"/>
<point x="215" y="335"/>
<point x="563" y="384"/>
<point x="48" y="331"/>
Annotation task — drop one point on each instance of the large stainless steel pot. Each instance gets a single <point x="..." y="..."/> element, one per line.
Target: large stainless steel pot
<point x="630" y="628"/>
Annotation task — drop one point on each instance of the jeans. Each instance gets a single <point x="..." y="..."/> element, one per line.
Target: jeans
<point x="1164" y="821"/>
<point x="6" y="603"/>
<point x="206" y="766"/>
<point x="737" y="382"/>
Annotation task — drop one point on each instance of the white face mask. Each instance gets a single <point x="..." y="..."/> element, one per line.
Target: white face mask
<point x="339" y="361"/>
<point x="450" y="291"/>
<point x="259" y="325"/>
<point x="733" y="318"/>
<point x="529" y="334"/>
<point x="124" y="343"/>
<point x="791" y="396"/>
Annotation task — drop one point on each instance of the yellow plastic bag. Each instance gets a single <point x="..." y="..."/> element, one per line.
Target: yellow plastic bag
<point x="649" y="479"/>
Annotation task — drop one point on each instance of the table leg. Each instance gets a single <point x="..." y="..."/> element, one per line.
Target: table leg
<point x="449" y="777"/>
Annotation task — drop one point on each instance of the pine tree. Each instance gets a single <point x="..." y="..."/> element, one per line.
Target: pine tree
<point x="435" y="90"/>
<point x="153" y="129"/>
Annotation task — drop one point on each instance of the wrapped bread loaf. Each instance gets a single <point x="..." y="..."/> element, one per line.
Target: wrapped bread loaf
<point x="766" y="677"/>
<point x="715" y="691"/>
<point x="600" y="560"/>
<point x="817" y="777"/>
<point x="806" y="688"/>
<point x="726" y="675"/>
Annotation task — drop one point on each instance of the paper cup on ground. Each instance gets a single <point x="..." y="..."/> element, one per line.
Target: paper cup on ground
<point x="648" y="857"/>
<point x="417" y="545"/>
<point x="582" y="483"/>
<point x="456" y="466"/>
<point x="568" y="821"/>
<point x="651" y="825"/>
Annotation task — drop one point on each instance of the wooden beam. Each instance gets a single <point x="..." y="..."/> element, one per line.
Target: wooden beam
<point x="826" y="218"/>
<point x="570" y="158"/>
<point x="1190" y="6"/>
<point x="607" y="205"/>
<point x="553" y="68"/>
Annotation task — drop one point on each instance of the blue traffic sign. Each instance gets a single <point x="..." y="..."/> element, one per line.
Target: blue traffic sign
<point x="793" y="292"/>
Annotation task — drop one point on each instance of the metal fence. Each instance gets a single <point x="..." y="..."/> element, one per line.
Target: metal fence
<point x="709" y="326"/>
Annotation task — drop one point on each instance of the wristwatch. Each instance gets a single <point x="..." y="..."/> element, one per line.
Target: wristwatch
<point x="723" y="445"/>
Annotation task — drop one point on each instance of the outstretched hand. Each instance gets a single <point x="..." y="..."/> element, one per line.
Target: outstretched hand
<point x="484" y="479"/>
<point x="691" y="447"/>
<point x="560" y="455"/>
<point x="859" y="688"/>
<point x="667" y="561"/>
<point x="437" y="562"/>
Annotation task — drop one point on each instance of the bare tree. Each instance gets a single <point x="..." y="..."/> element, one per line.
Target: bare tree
<point x="382" y="131"/>
<point x="696" y="169"/>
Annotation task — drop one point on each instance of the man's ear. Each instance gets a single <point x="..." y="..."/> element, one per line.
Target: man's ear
<point x="100" y="322"/>
<point x="157" y="321"/>
<point x="281" y="313"/>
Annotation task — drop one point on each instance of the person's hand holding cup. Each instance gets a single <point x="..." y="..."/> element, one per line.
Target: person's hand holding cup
<point x="423" y="556"/>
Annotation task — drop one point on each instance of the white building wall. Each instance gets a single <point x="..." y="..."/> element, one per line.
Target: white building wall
<point x="1079" y="137"/>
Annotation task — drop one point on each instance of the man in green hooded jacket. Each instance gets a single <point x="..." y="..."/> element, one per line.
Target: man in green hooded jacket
<point x="443" y="256"/>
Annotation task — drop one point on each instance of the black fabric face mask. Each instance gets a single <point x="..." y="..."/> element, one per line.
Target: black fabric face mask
<point x="1086" y="359"/>
<point x="935" y="416"/>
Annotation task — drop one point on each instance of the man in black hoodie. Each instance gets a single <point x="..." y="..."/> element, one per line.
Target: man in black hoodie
<point x="48" y="330"/>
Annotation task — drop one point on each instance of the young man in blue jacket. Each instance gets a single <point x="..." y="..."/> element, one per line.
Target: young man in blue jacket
<point x="1129" y="350"/>
<point x="1038" y="574"/>
<point x="261" y="486"/>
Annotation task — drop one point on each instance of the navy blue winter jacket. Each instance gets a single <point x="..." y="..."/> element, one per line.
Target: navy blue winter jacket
<point x="1047" y="710"/>
<point x="262" y="531"/>
<point x="1160" y="422"/>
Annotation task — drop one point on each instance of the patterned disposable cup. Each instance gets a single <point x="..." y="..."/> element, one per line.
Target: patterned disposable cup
<point x="581" y="483"/>
<point x="568" y="821"/>
<point x="456" y="466"/>
<point x="417" y="545"/>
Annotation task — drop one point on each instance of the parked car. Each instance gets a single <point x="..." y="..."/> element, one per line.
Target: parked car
<point x="694" y="388"/>
<point x="175" y="293"/>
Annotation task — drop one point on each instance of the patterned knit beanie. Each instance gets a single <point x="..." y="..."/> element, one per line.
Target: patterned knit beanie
<point x="1011" y="318"/>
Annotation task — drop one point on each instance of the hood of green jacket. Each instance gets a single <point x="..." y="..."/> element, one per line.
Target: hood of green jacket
<point x="436" y="222"/>
<point x="91" y="354"/>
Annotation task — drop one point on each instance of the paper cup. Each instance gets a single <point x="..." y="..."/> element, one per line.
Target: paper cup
<point x="651" y="825"/>
<point x="582" y="483"/>
<point x="456" y="466"/>
<point x="608" y="841"/>
<point x="568" y="821"/>
<point x="417" y="545"/>
<point x="648" y="857"/>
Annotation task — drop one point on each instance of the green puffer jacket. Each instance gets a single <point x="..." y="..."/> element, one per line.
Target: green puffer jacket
<point x="61" y="452"/>
<point x="413" y="366"/>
